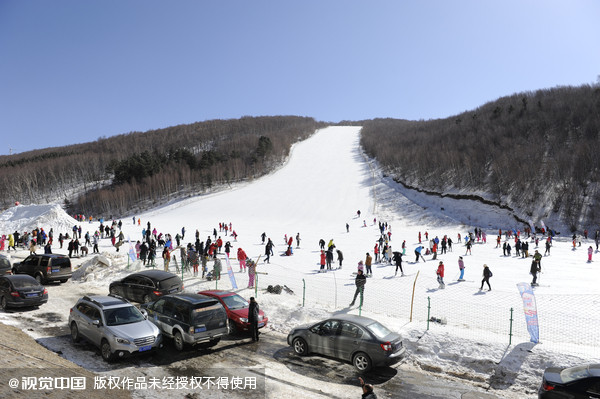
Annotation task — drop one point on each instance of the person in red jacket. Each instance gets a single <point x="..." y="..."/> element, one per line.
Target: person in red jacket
<point x="440" y="275"/>
<point x="323" y="257"/>
<point x="241" y="255"/>
<point x="219" y="244"/>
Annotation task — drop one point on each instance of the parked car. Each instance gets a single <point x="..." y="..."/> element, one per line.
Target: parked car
<point x="45" y="268"/>
<point x="5" y="265"/>
<point x="237" y="310"/>
<point x="579" y="382"/>
<point x="360" y="340"/>
<point x="21" y="291"/>
<point x="114" y="325"/>
<point x="146" y="286"/>
<point x="190" y="319"/>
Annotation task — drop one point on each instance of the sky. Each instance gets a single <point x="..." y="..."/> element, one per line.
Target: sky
<point x="74" y="71"/>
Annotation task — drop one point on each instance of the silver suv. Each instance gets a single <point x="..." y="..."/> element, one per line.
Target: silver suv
<point x="114" y="325"/>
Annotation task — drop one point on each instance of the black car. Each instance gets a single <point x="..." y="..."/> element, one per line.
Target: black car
<point x="5" y="266"/>
<point x="21" y="291"/>
<point x="571" y="383"/>
<point x="45" y="268"/>
<point x="189" y="319"/>
<point x="146" y="286"/>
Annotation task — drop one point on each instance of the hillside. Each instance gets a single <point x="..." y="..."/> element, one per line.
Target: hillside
<point x="131" y="172"/>
<point x="536" y="153"/>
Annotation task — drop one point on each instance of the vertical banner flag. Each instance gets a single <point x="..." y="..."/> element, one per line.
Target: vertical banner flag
<point x="132" y="254"/>
<point x="530" y="308"/>
<point x="230" y="272"/>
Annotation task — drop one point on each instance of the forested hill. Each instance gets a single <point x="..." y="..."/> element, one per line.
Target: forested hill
<point x="536" y="152"/>
<point x="129" y="172"/>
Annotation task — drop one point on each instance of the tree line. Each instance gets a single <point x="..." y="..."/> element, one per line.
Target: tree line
<point x="537" y="152"/>
<point x="131" y="172"/>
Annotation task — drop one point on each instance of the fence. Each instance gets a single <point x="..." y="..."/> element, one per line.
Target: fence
<point x="567" y="323"/>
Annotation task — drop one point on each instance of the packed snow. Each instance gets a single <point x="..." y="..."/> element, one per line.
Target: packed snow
<point x="315" y="194"/>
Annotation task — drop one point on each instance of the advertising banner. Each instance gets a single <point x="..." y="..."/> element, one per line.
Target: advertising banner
<point x="230" y="272"/>
<point x="530" y="308"/>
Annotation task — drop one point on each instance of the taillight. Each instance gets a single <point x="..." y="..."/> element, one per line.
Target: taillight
<point x="157" y="293"/>
<point x="546" y="386"/>
<point x="386" y="346"/>
<point x="15" y="294"/>
<point x="45" y="291"/>
<point x="49" y="270"/>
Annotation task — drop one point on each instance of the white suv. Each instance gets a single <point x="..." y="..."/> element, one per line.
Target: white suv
<point x="114" y="325"/>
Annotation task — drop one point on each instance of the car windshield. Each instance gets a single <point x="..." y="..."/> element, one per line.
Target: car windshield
<point x="25" y="283"/>
<point x="378" y="329"/>
<point x="574" y="373"/>
<point x="123" y="315"/>
<point x="234" y="302"/>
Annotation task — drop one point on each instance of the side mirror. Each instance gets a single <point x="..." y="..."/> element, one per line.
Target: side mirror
<point x="97" y="323"/>
<point x="144" y="313"/>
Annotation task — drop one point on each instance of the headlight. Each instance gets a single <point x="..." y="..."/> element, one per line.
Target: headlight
<point x="122" y="341"/>
<point x="243" y="320"/>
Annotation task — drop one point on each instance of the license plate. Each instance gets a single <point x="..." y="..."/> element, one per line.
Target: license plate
<point x="199" y="329"/>
<point x="31" y="295"/>
<point x="55" y="270"/>
<point x="261" y="324"/>
<point x="145" y="348"/>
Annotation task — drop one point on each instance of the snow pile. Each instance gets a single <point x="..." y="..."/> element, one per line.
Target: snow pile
<point x="94" y="268"/>
<point x="23" y="218"/>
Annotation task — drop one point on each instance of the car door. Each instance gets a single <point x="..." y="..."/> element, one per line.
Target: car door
<point x="593" y="390"/>
<point x="28" y="265"/>
<point x="4" y="287"/>
<point x="84" y="321"/>
<point x="95" y="329"/>
<point x="326" y="336"/>
<point x="348" y="341"/>
<point x="128" y="286"/>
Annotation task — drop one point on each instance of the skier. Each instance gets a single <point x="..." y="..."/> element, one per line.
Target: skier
<point x="487" y="274"/>
<point x="461" y="266"/>
<point x="418" y="254"/>
<point x="297" y="240"/>
<point x="398" y="260"/>
<point x="340" y="257"/>
<point x="268" y="250"/>
<point x="251" y="272"/>
<point x="440" y="275"/>
<point x="323" y="260"/>
<point x="241" y="255"/>
<point x="590" y="252"/>
<point x="535" y="269"/>
<point x="329" y="257"/>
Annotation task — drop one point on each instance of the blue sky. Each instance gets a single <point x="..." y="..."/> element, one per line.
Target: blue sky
<point x="72" y="71"/>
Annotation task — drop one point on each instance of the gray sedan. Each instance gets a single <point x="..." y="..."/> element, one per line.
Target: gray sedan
<point x="360" y="340"/>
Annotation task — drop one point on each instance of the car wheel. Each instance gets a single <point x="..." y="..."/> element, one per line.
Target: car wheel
<point x="39" y="278"/>
<point x="178" y="340"/>
<point x="3" y="303"/>
<point x="300" y="346"/>
<point x="74" y="332"/>
<point x="107" y="354"/>
<point x="147" y="298"/>
<point x="362" y="362"/>
<point x="233" y="330"/>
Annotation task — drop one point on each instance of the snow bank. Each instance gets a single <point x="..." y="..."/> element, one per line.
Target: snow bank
<point x="23" y="218"/>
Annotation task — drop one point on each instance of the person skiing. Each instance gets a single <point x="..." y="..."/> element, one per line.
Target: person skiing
<point x="538" y="258"/>
<point x="323" y="260"/>
<point x="268" y="250"/>
<point x="398" y="260"/>
<point x="418" y="253"/>
<point x="535" y="269"/>
<point x="251" y="272"/>
<point x="360" y="282"/>
<point x="487" y="274"/>
<point x="461" y="267"/>
<point x="440" y="275"/>
<point x="329" y="257"/>
<point x="590" y="252"/>
<point x="241" y="256"/>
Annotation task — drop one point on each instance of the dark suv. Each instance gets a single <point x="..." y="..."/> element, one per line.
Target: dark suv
<point x="5" y="266"/>
<point x="45" y="268"/>
<point x="146" y="286"/>
<point x="189" y="319"/>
